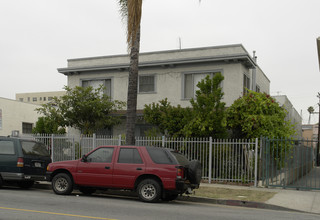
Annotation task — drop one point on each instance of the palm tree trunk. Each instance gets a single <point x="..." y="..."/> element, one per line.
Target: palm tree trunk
<point x="132" y="91"/>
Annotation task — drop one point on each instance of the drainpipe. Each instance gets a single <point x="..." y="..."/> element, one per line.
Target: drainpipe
<point x="254" y="73"/>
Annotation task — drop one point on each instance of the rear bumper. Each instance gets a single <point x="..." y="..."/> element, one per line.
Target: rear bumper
<point x="183" y="186"/>
<point x="22" y="177"/>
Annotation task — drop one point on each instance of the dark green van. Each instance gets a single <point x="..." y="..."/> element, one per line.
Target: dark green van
<point x="22" y="161"/>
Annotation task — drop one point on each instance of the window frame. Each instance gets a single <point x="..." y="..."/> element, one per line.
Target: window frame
<point x="246" y="82"/>
<point x="154" y="83"/>
<point x="26" y="130"/>
<point x="104" y="79"/>
<point x="192" y="73"/>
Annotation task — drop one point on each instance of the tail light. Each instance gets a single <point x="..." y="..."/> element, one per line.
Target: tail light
<point x="180" y="172"/>
<point x="20" y="162"/>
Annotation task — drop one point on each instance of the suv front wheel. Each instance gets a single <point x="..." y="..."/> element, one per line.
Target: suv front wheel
<point x="62" y="184"/>
<point x="149" y="190"/>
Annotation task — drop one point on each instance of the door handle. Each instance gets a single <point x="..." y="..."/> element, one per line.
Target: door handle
<point x="107" y="168"/>
<point x="139" y="168"/>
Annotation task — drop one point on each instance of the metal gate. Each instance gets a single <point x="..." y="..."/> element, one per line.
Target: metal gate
<point x="290" y="163"/>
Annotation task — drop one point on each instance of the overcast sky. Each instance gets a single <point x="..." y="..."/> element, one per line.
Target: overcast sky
<point x="38" y="36"/>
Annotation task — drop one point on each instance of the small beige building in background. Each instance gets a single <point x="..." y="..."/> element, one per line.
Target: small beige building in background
<point x="17" y="116"/>
<point x="38" y="98"/>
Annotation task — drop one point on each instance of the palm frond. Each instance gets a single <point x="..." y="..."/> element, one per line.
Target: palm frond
<point x="134" y="20"/>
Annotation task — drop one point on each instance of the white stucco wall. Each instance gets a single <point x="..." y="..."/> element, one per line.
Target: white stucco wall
<point x="169" y="82"/>
<point x="14" y="113"/>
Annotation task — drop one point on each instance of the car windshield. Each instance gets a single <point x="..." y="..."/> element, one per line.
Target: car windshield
<point x="34" y="148"/>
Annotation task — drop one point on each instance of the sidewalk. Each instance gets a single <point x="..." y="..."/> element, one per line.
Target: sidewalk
<point x="284" y="199"/>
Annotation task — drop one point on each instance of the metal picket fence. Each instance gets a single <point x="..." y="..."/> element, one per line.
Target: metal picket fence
<point x="223" y="160"/>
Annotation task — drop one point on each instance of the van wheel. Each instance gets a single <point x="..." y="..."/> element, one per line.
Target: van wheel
<point x="62" y="184"/>
<point x="149" y="190"/>
<point x="25" y="184"/>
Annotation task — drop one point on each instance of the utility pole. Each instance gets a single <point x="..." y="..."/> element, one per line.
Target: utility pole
<point x="318" y="145"/>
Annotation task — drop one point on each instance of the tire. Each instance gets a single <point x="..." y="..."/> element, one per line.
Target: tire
<point x="87" y="190"/>
<point x="62" y="184"/>
<point x="25" y="184"/>
<point x="169" y="197"/>
<point x="149" y="190"/>
<point x="194" y="172"/>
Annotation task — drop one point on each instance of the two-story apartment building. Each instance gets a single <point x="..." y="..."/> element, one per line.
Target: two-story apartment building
<point x="169" y="74"/>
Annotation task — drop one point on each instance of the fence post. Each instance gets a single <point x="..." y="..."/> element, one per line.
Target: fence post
<point x="94" y="141"/>
<point x="74" y="148"/>
<point x="256" y="164"/>
<point x="52" y="150"/>
<point x="163" y="141"/>
<point x="210" y="159"/>
<point x="119" y="140"/>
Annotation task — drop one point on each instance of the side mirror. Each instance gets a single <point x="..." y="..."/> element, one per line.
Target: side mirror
<point x="84" y="158"/>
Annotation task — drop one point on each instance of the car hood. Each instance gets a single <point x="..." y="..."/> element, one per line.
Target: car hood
<point x="63" y="164"/>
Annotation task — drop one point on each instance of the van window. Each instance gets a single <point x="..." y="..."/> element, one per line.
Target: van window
<point x="34" y="148"/>
<point x="7" y="147"/>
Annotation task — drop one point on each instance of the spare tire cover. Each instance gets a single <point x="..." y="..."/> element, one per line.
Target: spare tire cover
<point x="194" y="172"/>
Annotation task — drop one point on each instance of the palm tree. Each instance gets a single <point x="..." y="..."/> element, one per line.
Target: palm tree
<point x="131" y="11"/>
<point x="310" y="110"/>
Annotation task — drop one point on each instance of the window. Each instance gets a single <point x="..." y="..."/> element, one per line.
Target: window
<point x="34" y="148"/>
<point x="7" y="147"/>
<point x="146" y="83"/>
<point x="50" y="98"/>
<point x="129" y="155"/>
<point x="21" y="99"/>
<point x="34" y="99"/>
<point x="160" y="156"/>
<point x="101" y="155"/>
<point x="190" y="83"/>
<point x="44" y="98"/>
<point x="257" y="88"/>
<point x="40" y="98"/>
<point x="27" y="128"/>
<point x="142" y="129"/>
<point x="95" y="84"/>
<point x="28" y="99"/>
<point x="246" y="84"/>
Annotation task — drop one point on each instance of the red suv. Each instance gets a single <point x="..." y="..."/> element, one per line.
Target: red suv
<point x="154" y="173"/>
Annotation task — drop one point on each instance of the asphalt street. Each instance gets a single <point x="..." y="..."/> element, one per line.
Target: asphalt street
<point x="35" y="204"/>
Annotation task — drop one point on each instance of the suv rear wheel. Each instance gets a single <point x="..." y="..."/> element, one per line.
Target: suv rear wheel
<point x="149" y="190"/>
<point x="62" y="184"/>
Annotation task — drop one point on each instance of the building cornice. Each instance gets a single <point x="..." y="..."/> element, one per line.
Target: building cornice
<point x="243" y="58"/>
